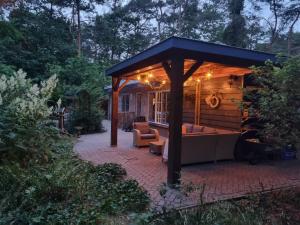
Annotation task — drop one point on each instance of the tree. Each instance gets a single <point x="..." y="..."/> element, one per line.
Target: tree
<point x="235" y="33"/>
<point x="211" y="19"/>
<point x="278" y="102"/>
<point x="183" y="18"/>
<point x="77" y="6"/>
<point x="32" y="41"/>
<point x="77" y="76"/>
<point x="292" y="15"/>
<point x="122" y="32"/>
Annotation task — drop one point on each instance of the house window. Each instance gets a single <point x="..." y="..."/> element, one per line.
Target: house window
<point x="125" y="103"/>
<point x="159" y="107"/>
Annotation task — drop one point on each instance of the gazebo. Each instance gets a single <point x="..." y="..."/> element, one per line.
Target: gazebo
<point x="178" y="59"/>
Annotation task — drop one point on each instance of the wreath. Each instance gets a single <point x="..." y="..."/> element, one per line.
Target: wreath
<point x="213" y="101"/>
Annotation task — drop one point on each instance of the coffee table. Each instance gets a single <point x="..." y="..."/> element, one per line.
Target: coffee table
<point x="156" y="147"/>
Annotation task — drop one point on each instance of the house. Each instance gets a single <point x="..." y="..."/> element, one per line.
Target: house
<point x="182" y="81"/>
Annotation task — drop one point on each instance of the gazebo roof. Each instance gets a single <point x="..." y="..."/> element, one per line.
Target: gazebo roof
<point x="191" y="49"/>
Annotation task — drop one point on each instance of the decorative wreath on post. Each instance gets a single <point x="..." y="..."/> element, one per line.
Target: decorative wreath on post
<point x="213" y="101"/>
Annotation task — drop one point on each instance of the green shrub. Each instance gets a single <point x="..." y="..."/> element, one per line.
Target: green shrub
<point x="66" y="191"/>
<point x="277" y="102"/>
<point x="79" y="76"/>
<point x="225" y="213"/>
<point x="25" y="132"/>
<point x="41" y="181"/>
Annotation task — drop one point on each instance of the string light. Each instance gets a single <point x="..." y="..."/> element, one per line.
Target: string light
<point x="208" y="75"/>
<point x="148" y="79"/>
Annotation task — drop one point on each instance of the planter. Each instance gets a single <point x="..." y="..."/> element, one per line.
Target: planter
<point x="288" y="153"/>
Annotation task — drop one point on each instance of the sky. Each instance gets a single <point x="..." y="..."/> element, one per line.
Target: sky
<point x="266" y="13"/>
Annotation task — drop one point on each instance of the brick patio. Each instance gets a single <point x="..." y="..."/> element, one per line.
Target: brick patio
<point x="222" y="180"/>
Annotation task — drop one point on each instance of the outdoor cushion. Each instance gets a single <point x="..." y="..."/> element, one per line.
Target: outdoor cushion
<point x="209" y="130"/>
<point x="147" y="136"/>
<point x="197" y="128"/>
<point x="188" y="127"/>
<point x="143" y="127"/>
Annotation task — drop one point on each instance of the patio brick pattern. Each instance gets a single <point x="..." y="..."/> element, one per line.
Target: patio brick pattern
<point x="222" y="180"/>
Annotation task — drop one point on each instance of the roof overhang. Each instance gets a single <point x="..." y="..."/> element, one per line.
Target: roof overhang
<point x="191" y="49"/>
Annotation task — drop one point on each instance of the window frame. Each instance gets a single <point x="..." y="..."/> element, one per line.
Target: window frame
<point x="161" y="112"/>
<point x="125" y="105"/>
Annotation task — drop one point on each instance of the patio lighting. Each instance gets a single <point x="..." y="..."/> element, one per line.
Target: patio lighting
<point x="148" y="79"/>
<point x="208" y="75"/>
<point x="232" y="79"/>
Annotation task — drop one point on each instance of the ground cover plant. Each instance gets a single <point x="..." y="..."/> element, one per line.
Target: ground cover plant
<point x="42" y="181"/>
<point x="277" y="207"/>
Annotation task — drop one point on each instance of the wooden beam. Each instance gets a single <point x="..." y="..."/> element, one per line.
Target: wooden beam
<point x="193" y="69"/>
<point x="123" y="84"/>
<point x="175" y="71"/>
<point x="115" y="82"/>
<point x="167" y="68"/>
<point x="114" y="111"/>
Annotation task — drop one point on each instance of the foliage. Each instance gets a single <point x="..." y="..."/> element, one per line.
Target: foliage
<point x="66" y="191"/>
<point x="41" y="181"/>
<point x="25" y="133"/>
<point x="235" y="33"/>
<point x="31" y="41"/>
<point x="277" y="102"/>
<point x="276" y="207"/>
<point x="78" y="76"/>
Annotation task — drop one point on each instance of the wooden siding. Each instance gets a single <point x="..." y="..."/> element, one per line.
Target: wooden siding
<point x="228" y="114"/>
<point x="189" y="104"/>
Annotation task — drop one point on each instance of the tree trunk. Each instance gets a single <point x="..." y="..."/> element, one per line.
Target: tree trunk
<point x="78" y="28"/>
<point x="290" y="35"/>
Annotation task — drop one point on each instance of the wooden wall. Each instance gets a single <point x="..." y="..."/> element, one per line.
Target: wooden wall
<point x="228" y="114"/>
<point x="189" y="95"/>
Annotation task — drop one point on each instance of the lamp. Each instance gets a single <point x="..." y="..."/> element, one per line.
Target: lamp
<point x="232" y="79"/>
<point x="208" y="75"/>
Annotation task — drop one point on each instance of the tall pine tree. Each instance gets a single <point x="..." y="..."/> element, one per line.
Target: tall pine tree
<point x="235" y="34"/>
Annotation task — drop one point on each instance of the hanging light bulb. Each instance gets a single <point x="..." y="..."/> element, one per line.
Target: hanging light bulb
<point x="208" y="75"/>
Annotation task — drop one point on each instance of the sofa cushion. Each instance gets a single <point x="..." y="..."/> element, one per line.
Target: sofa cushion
<point x="143" y="127"/>
<point x="147" y="136"/>
<point x="197" y="128"/>
<point x="209" y="130"/>
<point x="188" y="127"/>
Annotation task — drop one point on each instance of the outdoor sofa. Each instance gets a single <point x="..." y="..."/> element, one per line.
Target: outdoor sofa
<point x="205" y="144"/>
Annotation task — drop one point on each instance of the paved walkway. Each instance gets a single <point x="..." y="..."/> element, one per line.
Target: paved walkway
<point x="222" y="180"/>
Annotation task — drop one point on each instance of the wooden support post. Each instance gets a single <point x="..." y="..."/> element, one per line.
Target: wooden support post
<point x="175" y="71"/>
<point x="114" y="111"/>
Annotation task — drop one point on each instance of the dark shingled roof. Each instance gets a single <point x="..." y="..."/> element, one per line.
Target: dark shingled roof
<point x="191" y="49"/>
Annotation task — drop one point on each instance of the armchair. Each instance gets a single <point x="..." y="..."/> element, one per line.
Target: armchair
<point x="143" y="134"/>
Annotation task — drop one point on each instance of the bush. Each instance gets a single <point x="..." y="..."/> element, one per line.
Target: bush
<point x="25" y="132"/>
<point x="66" y="191"/>
<point x="86" y="113"/>
<point x="277" y="102"/>
<point x="41" y="181"/>
<point x="79" y="76"/>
